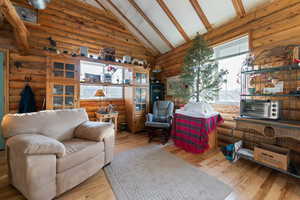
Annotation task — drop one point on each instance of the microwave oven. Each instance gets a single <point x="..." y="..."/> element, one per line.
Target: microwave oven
<point x="260" y="109"/>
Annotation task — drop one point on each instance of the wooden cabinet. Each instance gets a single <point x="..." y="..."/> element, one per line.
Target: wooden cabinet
<point x="62" y="84"/>
<point x="63" y="70"/>
<point x="62" y="95"/>
<point x="137" y="100"/>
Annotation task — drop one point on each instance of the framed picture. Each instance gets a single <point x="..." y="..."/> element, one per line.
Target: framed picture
<point x="171" y="84"/>
<point x="92" y="78"/>
<point x="27" y="14"/>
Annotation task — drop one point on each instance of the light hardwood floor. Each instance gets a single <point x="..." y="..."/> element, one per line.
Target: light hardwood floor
<point x="250" y="181"/>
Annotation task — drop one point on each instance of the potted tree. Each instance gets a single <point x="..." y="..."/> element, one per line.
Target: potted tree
<point x="201" y="79"/>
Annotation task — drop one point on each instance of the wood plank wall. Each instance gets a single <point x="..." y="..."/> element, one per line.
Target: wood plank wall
<point x="72" y="24"/>
<point x="93" y="106"/>
<point x="275" y="24"/>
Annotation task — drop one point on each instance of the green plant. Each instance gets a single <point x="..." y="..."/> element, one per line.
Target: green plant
<point x="201" y="78"/>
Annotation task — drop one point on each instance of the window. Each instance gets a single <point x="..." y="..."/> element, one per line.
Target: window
<point x="230" y="56"/>
<point x="94" y="76"/>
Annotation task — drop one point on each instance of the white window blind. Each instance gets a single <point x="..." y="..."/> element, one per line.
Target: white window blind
<point x="233" y="48"/>
<point x="230" y="56"/>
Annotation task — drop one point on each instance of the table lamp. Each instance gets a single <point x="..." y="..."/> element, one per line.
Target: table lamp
<point x="100" y="93"/>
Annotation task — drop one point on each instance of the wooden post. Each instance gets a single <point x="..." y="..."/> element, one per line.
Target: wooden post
<point x="20" y="30"/>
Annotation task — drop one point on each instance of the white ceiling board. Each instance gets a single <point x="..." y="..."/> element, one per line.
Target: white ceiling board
<point x="128" y="26"/>
<point x="132" y="14"/>
<point x="93" y="3"/>
<point x="147" y="30"/>
<point x="186" y="16"/>
<point x="218" y="12"/>
<point x="250" y="5"/>
<point x="156" y="14"/>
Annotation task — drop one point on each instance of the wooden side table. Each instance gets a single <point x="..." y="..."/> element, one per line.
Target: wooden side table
<point x="111" y="116"/>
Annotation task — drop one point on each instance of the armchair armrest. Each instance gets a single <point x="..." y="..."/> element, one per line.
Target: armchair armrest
<point x="170" y="118"/>
<point x="99" y="131"/>
<point x="33" y="144"/>
<point x="95" y="131"/>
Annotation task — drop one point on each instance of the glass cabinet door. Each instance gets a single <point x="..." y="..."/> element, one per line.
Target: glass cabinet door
<point x="140" y="99"/>
<point x="63" y="96"/>
<point x="58" y="69"/>
<point x="70" y="71"/>
<point x="141" y="78"/>
<point x="62" y="70"/>
<point x="69" y="95"/>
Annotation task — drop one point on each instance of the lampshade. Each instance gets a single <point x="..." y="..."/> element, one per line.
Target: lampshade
<point x="100" y="93"/>
<point x="157" y="69"/>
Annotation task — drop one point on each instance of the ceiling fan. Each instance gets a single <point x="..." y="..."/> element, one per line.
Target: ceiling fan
<point x="39" y="4"/>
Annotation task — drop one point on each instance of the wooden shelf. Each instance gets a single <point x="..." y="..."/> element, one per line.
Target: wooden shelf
<point x="103" y="84"/>
<point x="83" y="58"/>
<point x="115" y="84"/>
<point x="270" y="95"/>
<point x="277" y="169"/>
<point x="274" y="69"/>
<point x="279" y="123"/>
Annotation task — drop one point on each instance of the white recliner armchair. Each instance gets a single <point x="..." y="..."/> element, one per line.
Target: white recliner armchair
<point x="50" y="152"/>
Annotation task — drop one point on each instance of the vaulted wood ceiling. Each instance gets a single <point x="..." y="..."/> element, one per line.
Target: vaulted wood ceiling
<point x="163" y="25"/>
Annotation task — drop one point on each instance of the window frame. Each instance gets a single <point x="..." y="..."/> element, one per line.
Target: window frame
<point x="231" y="56"/>
<point x="101" y="84"/>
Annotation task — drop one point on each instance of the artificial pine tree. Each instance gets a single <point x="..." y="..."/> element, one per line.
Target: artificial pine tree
<point x="201" y="79"/>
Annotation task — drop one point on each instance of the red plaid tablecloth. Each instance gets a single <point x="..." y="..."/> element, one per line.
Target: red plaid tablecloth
<point x="191" y="133"/>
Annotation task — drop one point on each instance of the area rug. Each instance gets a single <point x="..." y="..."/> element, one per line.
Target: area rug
<point x="150" y="173"/>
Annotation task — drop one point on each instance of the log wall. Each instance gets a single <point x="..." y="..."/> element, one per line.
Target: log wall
<point x="275" y="24"/>
<point x="72" y="24"/>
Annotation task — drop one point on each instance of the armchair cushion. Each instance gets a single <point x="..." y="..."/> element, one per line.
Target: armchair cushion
<point x="36" y="144"/>
<point x="78" y="151"/>
<point x="95" y="131"/>
<point x="157" y="124"/>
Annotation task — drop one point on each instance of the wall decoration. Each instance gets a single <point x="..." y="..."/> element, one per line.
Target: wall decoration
<point x="172" y="82"/>
<point x="27" y="14"/>
<point x="108" y="54"/>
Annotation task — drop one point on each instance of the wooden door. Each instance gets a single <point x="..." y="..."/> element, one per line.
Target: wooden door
<point x="1" y="95"/>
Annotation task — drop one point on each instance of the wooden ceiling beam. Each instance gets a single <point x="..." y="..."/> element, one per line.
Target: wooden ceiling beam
<point x="173" y="19"/>
<point x="100" y="4"/>
<point x="20" y="30"/>
<point x="141" y="12"/>
<point x="239" y="8"/>
<point x="201" y="14"/>
<point x="133" y="26"/>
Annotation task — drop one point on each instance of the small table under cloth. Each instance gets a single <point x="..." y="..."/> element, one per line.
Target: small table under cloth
<point x="192" y="133"/>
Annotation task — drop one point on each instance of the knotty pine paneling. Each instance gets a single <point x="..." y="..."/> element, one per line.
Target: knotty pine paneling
<point x="277" y="23"/>
<point x="93" y="106"/>
<point x="72" y="24"/>
<point x="31" y="66"/>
